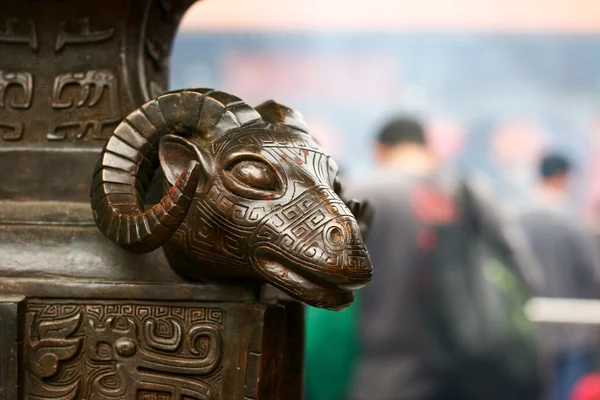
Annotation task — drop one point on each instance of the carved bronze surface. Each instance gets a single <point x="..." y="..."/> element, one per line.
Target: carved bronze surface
<point x="138" y="350"/>
<point x="248" y="198"/>
<point x="70" y="71"/>
<point x="249" y="195"/>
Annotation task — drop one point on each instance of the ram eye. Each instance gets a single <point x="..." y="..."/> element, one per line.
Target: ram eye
<point x="253" y="179"/>
<point x="255" y="174"/>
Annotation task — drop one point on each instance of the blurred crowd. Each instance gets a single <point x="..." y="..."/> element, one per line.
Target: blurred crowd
<point x="476" y="212"/>
<point x="456" y="262"/>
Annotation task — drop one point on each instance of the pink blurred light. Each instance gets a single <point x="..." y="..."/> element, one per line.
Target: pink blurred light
<point x="340" y="78"/>
<point x="518" y="143"/>
<point x="446" y="138"/>
<point x="580" y="16"/>
<point x="327" y="135"/>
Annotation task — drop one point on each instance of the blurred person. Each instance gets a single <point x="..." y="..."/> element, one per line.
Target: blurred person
<point x="396" y="345"/>
<point x="391" y="364"/>
<point x="568" y="257"/>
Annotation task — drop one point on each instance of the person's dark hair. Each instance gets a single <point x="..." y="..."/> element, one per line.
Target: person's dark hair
<point x="554" y="164"/>
<point x="401" y="131"/>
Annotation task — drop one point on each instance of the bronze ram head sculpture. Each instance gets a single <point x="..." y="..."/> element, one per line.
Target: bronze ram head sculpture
<point x="248" y="195"/>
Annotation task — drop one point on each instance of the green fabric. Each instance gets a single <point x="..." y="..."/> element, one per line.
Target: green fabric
<point x="331" y="350"/>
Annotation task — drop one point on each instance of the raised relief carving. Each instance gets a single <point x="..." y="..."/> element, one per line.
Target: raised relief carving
<point x="50" y="346"/>
<point x="95" y="85"/>
<point x="266" y="205"/>
<point x="20" y="32"/>
<point x="11" y="132"/>
<point x="122" y="351"/>
<point x="80" y="129"/>
<point x="96" y="79"/>
<point x="82" y="35"/>
<point x="23" y="80"/>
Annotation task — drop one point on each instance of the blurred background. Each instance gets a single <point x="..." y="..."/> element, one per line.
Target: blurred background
<point x="496" y="81"/>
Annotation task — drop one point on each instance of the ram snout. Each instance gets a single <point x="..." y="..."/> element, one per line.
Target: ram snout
<point x="313" y="250"/>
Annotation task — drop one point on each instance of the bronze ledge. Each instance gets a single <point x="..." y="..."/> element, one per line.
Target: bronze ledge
<point x="88" y="289"/>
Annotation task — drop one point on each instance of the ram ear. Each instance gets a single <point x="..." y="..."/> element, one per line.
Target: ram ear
<point x="176" y="154"/>
<point x="276" y="113"/>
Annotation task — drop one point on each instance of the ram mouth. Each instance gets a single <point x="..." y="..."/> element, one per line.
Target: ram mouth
<point x="273" y="268"/>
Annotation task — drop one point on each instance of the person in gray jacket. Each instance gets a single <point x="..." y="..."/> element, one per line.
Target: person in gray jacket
<point x="567" y="254"/>
<point x="394" y="340"/>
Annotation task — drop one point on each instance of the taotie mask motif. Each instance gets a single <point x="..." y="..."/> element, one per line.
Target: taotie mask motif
<point x="249" y="195"/>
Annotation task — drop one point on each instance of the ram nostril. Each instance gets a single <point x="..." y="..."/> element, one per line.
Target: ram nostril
<point x="335" y="236"/>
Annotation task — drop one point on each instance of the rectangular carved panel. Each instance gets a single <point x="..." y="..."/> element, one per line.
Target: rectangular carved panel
<point x="123" y="350"/>
<point x="144" y="350"/>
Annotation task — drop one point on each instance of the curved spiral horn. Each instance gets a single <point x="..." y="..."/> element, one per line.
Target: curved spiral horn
<point x="130" y="158"/>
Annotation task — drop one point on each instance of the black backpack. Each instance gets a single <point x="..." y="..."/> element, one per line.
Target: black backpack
<point x="484" y="345"/>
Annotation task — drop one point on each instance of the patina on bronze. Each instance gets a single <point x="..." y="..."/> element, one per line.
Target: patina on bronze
<point x="249" y="196"/>
<point x="83" y="319"/>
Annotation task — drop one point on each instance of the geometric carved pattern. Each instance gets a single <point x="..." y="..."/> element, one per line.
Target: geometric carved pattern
<point x="136" y="351"/>
<point x="223" y="229"/>
<point x="266" y="207"/>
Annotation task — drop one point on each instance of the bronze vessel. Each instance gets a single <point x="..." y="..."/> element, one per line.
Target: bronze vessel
<point x="211" y="203"/>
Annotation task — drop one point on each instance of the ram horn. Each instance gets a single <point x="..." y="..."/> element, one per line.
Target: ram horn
<point x="130" y="158"/>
